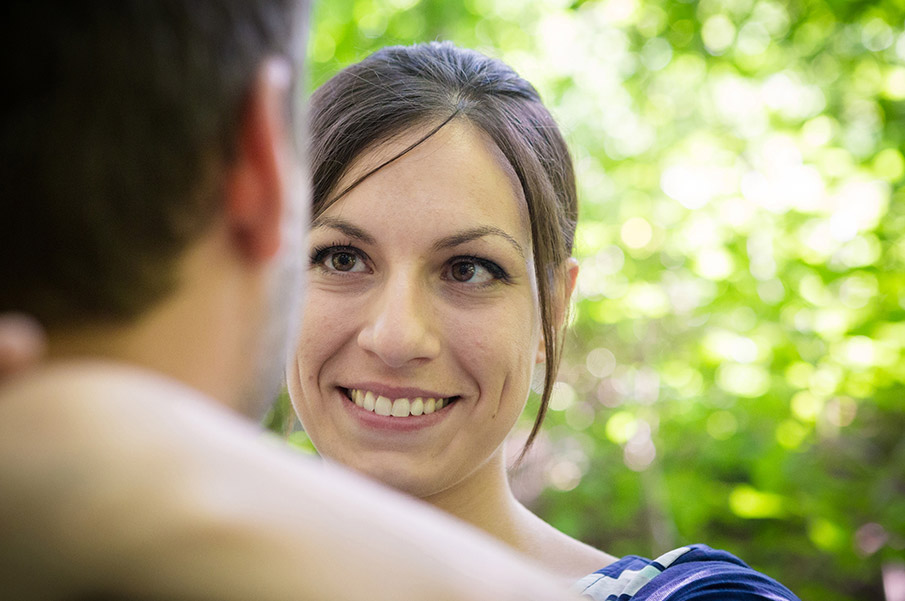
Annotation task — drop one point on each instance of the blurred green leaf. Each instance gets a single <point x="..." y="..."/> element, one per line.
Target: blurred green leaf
<point x="734" y="373"/>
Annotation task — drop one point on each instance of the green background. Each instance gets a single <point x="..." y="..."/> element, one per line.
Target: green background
<point x="734" y="372"/>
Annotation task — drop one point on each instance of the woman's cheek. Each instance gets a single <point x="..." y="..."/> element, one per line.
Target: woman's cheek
<point x="500" y="341"/>
<point x="327" y="318"/>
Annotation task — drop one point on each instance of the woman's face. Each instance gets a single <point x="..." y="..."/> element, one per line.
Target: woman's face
<point x="421" y="328"/>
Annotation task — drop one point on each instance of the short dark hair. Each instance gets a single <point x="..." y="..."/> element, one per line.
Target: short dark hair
<point x="399" y="87"/>
<point x="118" y="120"/>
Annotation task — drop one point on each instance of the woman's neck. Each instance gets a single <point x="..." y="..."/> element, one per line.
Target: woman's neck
<point x="485" y="500"/>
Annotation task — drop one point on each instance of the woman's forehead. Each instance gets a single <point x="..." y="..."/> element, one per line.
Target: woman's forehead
<point x="461" y="144"/>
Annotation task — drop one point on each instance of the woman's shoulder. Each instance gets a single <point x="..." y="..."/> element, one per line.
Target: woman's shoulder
<point x="692" y="573"/>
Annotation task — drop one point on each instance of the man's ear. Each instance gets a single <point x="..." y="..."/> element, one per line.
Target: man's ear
<point x="563" y="286"/>
<point x="256" y="181"/>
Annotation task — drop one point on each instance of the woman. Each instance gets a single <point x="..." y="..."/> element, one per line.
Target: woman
<point x="444" y="212"/>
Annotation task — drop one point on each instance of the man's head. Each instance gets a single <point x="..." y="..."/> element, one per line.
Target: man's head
<point x="129" y="130"/>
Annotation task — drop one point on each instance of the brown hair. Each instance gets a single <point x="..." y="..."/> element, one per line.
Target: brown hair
<point x="118" y="119"/>
<point x="400" y="87"/>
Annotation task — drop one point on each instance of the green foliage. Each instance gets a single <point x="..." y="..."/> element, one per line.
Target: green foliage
<point x="735" y="369"/>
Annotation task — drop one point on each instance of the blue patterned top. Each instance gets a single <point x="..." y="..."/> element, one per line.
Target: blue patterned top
<point x="692" y="573"/>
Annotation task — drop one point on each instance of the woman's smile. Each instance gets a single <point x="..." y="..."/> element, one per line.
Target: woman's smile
<point x="413" y="405"/>
<point x="379" y="413"/>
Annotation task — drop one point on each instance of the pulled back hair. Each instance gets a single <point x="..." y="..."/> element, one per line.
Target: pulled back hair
<point x="401" y="87"/>
<point x="118" y="120"/>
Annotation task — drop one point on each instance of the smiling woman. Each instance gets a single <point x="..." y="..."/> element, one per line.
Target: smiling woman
<point x="421" y="294"/>
<point x="440" y="271"/>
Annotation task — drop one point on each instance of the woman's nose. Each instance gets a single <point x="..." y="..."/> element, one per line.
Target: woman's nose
<point x="399" y="330"/>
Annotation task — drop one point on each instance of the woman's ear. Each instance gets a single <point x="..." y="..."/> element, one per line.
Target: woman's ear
<point x="569" y="280"/>
<point x="566" y="276"/>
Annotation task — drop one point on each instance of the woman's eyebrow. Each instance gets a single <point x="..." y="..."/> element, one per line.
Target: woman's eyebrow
<point x="345" y="227"/>
<point x="474" y="234"/>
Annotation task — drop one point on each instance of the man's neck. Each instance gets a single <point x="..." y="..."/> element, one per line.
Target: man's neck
<point x="145" y="345"/>
<point x="197" y="335"/>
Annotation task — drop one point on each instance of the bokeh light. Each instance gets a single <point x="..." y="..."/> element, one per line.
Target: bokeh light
<point x="734" y="371"/>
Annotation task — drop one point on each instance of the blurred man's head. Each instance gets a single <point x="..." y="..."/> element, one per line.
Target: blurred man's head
<point x="135" y="132"/>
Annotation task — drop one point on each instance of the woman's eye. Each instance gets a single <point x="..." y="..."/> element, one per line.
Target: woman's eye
<point x="463" y="271"/>
<point x="473" y="271"/>
<point x="335" y="259"/>
<point x="343" y="261"/>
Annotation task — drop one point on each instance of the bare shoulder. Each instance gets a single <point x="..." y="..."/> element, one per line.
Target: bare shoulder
<point x="574" y="559"/>
<point x="104" y="465"/>
<point x="99" y="462"/>
<point x="60" y="416"/>
<point x="565" y="556"/>
<point x="113" y="440"/>
<point x="89" y="418"/>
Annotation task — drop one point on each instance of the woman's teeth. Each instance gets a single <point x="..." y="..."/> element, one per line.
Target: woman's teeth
<point x="381" y="405"/>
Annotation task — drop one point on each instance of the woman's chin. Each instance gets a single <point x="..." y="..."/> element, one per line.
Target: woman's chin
<point x="406" y="480"/>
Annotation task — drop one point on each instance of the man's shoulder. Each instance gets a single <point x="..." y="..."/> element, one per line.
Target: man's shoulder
<point x="100" y="462"/>
<point x="71" y="414"/>
<point x="86" y="386"/>
<point x="75" y="456"/>
<point x="95" y="435"/>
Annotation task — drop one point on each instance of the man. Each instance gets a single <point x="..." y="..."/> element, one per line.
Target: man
<point x="154" y="215"/>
